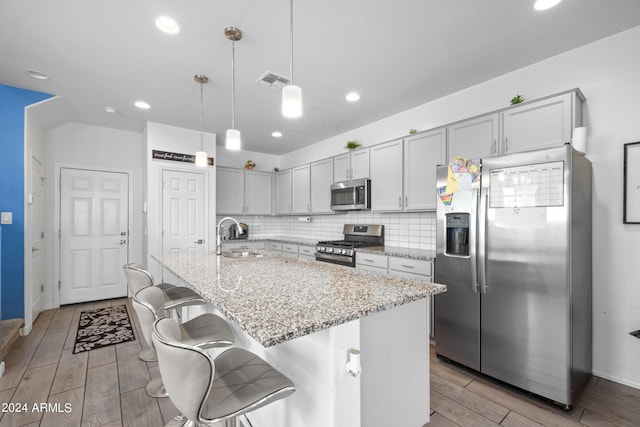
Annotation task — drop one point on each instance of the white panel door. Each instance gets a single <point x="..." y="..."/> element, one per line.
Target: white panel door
<point x="94" y="231"/>
<point x="183" y="212"/>
<point x="36" y="205"/>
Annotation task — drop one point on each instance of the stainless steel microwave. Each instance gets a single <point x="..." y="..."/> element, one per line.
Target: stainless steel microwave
<point x="351" y="195"/>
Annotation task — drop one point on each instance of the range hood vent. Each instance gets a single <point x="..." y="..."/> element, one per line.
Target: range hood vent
<point x="270" y="79"/>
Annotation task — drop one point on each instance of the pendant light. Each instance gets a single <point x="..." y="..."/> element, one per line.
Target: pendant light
<point x="233" y="141"/>
<point x="291" y="94"/>
<point x="201" y="156"/>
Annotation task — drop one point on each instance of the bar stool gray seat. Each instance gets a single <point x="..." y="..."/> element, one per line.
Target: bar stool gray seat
<point x="175" y="297"/>
<point x="205" y="331"/>
<point x="207" y="390"/>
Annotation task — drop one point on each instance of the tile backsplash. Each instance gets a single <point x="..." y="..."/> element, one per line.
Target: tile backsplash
<point x="412" y="230"/>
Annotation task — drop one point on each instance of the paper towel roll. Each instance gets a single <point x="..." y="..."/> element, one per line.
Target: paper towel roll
<point x="579" y="139"/>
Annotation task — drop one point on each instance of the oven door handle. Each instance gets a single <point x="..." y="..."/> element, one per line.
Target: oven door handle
<point x="342" y="259"/>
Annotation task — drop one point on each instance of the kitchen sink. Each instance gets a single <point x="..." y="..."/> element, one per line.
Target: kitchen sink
<point x="242" y="253"/>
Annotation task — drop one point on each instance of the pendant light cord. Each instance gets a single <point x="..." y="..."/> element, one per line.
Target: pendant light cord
<point x="233" y="84"/>
<point x="201" y="116"/>
<point x="291" y="40"/>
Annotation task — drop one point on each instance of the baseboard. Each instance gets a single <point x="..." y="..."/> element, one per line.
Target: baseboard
<point x="617" y="379"/>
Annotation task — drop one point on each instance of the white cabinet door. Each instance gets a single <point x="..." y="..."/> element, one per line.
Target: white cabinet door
<point x="474" y="139"/>
<point x="386" y="176"/>
<point x="421" y="155"/>
<point x="360" y="163"/>
<point x="541" y="124"/>
<point x="341" y="167"/>
<point x="301" y="189"/>
<point x="321" y="180"/>
<point x="229" y="190"/>
<point x="283" y="183"/>
<point x="258" y="193"/>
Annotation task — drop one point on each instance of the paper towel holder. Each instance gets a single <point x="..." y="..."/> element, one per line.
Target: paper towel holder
<point x="579" y="139"/>
<point x="353" y="366"/>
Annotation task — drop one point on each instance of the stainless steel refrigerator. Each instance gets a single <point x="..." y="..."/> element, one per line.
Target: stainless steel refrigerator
<point x="513" y="246"/>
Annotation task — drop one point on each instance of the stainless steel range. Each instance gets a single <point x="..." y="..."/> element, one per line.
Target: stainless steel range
<point x="355" y="236"/>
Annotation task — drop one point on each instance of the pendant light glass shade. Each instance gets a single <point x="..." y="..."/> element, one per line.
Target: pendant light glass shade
<point x="233" y="141"/>
<point x="201" y="159"/>
<point x="292" y="101"/>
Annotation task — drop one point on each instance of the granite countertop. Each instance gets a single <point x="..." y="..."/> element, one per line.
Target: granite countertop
<point x="398" y="251"/>
<point x="275" y="299"/>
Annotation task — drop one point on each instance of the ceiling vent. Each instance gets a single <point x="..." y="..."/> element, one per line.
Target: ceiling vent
<point x="270" y="79"/>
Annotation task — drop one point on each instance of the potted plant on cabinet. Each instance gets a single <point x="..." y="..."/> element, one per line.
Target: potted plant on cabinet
<point x="250" y="164"/>
<point x="352" y="145"/>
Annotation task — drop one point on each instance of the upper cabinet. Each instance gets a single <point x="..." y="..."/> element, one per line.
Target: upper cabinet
<point x="422" y="153"/>
<point x="283" y="185"/>
<point x="386" y="176"/>
<point x="351" y="165"/>
<point x="475" y="138"/>
<point x="321" y="180"/>
<point x="301" y="189"/>
<point x="532" y="125"/>
<point x="403" y="172"/>
<point x="240" y="191"/>
<point x="257" y="193"/>
<point x="541" y="124"/>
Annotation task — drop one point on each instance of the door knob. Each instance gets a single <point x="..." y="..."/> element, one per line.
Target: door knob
<point x="123" y="242"/>
<point x="199" y="241"/>
<point x="34" y="249"/>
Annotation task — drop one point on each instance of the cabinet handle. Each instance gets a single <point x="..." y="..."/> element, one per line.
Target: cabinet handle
<point x="368" y="260"/>
<point x="400" y="201"/>
<point x="407" y="266"/>
<point x="506" y="144"/>
<point x="350" y="173"/>
<point x="246" y="209"/>
<point x="406" y="201"/>
<point x="493" y="147"/>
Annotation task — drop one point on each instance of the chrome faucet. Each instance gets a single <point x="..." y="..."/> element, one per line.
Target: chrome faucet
<point x="218" y="239"/>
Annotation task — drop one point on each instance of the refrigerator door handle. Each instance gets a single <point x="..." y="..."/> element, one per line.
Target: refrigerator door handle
<point x="482" y="230"/>
<point x="473" y="235"/>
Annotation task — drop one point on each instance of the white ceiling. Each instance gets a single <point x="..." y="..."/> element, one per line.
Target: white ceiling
<point x="397" y="54"/>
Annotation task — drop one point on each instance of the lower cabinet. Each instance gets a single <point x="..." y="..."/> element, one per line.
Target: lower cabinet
<point x="372" y="262"/>
<point x="274" y="247"/>
<point x="290" y="249"/>
<point x="307" y="253"/>
<point x="409" y="268"/>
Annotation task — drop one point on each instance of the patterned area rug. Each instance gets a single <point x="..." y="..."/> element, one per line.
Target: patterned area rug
<point x="103" y="327"/>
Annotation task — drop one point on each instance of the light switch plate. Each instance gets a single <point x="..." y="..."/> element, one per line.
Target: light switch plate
<point x="6" y="217"/>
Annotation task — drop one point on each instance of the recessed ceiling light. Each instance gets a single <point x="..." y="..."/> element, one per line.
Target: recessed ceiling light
<point x="142" y="105"/>
<point x="167" y="25"/>
<point x="352" y="97"/>
<point x="36" y="75"/>
<point x="110" y="110"/>
<point x="276" y="134"/>
<point x="545" y="4"/>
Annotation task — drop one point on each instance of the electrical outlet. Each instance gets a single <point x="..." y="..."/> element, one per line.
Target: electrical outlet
<point x="6" y="217"/>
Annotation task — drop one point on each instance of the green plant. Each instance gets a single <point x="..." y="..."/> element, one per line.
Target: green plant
<point x="276" y="169"/>
<point x="250" y="164"/>
<point x="517" y="99"/>
<point x="412" y="131"/>
<point x="352" y="145"/>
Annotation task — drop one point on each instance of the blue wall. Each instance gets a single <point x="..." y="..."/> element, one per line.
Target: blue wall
<point x="12" y="104"/>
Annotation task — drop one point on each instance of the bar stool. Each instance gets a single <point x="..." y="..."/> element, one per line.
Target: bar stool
<point x="207" y="390"/>
<point x="204" y="331"/>
<point x="175" y="297"/>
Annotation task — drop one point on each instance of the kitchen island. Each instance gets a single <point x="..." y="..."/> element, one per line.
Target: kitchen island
<point x="305" y="317"/>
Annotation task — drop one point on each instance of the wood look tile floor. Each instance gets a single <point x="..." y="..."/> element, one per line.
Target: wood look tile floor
<point x="106" y="387"/>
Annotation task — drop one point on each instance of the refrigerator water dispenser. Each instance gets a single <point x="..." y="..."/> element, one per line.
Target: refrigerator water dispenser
<point x="457" y="234"/>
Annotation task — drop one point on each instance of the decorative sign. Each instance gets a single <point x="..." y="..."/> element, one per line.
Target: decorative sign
<point x="177" y="157"/>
